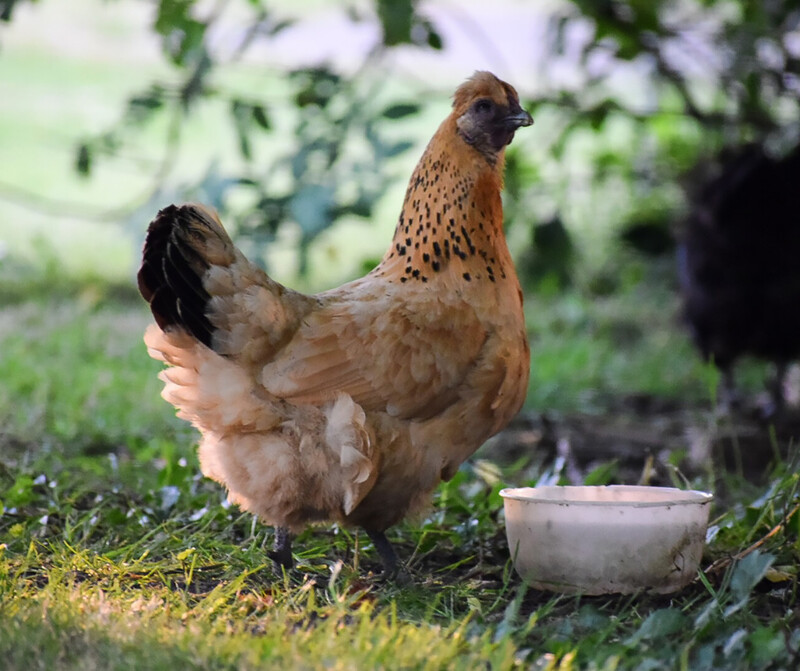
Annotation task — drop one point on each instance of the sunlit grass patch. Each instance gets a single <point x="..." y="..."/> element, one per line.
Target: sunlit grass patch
<point x="232" y="626"/>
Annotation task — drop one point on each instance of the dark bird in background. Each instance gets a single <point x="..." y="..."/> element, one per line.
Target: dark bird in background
<point x="651" y="236"/>
<point x="550" y="258"/>
<point x="351" y="405"/>
<point x="739" y="266"/>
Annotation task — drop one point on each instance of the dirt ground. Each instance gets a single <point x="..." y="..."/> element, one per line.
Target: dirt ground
<point x="650" y="440"/>
<point x="640" y="440"/>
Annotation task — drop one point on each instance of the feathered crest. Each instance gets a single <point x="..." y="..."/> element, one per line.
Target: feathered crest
<point x="484" y="84"/>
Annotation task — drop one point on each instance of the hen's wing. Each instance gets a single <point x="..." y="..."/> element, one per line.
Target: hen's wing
<point x="403" y="352"/>
<point x="388" y="354"/>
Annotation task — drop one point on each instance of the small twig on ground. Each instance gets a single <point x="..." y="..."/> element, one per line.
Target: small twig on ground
<point x="573" y="472"/>
<point x="724" y="562"/>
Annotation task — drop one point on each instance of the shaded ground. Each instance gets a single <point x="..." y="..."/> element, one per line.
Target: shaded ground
<point x="640" y="440"/>
<point x="649" y="440"/>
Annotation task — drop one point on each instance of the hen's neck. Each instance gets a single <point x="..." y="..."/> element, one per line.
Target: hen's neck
<point x="451" y="225"/>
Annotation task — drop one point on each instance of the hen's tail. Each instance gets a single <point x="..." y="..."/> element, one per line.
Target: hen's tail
<point x="182" y="243"/>
<point x="220" y="319"/>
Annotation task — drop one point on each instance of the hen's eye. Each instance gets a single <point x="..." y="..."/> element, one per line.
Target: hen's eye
<point x="483" y="106"/>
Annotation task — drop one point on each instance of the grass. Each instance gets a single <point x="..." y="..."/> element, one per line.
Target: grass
<point x="115" y="553"/>
<point x="587" y="350"/>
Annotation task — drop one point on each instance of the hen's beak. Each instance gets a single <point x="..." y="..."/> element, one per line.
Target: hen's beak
<point x="518" y="119"/>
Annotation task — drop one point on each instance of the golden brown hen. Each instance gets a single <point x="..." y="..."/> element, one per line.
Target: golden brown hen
<point x="353" y="404"/>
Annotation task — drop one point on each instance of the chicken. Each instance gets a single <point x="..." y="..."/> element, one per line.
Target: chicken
<point x="351" y="405"/>
<point x="739" y="266"/>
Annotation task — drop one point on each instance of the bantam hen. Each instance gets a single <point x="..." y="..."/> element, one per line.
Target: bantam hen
<point x="739" y="266"/>
<point x="351" y="405"/>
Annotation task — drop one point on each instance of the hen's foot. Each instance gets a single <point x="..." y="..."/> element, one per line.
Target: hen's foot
<point x="281" y="552"/>
<point x="392" y="569"/>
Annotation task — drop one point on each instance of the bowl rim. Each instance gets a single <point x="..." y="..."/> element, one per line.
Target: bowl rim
<point x="681" y="497"/>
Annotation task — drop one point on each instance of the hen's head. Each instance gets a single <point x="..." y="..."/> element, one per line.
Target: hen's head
<point x="487" y="112"/>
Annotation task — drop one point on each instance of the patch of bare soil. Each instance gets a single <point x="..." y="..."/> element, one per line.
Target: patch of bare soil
<point x="642" y="440"/>
<point x="650" y="440"/>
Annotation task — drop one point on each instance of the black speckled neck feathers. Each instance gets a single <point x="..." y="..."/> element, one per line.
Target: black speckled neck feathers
<point x="451" y="225"/>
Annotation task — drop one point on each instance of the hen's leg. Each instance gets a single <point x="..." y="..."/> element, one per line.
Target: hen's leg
<point x="730" y="399"/>
<point x="776" y="403"/>
<point x="281" y="552"/>
<point x="391" y="565"/>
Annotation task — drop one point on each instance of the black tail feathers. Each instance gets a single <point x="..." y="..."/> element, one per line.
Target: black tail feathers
<point x="170" y="277"/>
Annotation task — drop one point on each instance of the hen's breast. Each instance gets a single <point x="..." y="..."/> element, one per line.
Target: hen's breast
<point x="417" y="452"/>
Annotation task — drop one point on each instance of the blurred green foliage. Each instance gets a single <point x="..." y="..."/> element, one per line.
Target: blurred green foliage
<point x="686" y="82"/>
<point x="329" y="171"/>
<point x="698" y="77"/>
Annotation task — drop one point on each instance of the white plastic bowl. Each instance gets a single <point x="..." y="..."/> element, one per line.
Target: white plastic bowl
<point x="603" y="540"/>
